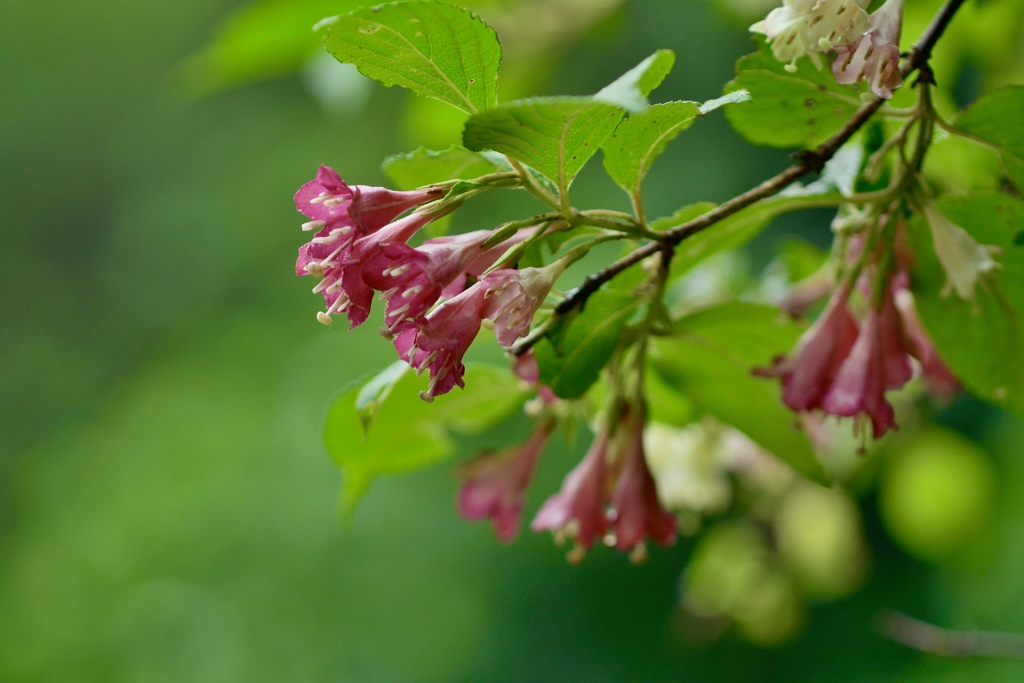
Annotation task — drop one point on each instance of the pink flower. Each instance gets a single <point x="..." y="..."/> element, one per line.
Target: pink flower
<point x="638" y="512"/>
<point x="514" y="296"/>
<point x="348" y="283"/>
<point x="876" y="362"/>
<point x="494" y="484"/>
<point x="875" y="57"/>
<point x="341" y="215"/>
<point x="415" y="278"/>
<point x="439" y="341"/>
<point x="808" y="372"/>
<point x="578" y="510"/>
<point x="583" y="510"/>
<point x="525" y="367"/>
<point x="942" y="384"/>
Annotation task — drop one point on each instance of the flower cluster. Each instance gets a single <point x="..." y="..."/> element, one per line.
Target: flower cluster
<point x="844" y="367"/>
<point x="609" y="496"/>
<point x="866" y="46"/>
<point x="361" y="246"/>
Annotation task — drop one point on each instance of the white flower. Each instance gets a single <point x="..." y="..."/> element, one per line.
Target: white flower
<point x="963" y="259"/>
<point x="807" y="28"/>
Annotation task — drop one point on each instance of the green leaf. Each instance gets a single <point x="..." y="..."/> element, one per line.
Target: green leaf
<point x="556" y="136"/>
<point x="995" y="119"/>
<point x="424" y="167"/>
<point x="642" y="138"/>
<point x="801" y="109"/>
<point x="630" y="90"/>
<point x="432" y="48"/>
<point x="260" y="40"/>
<point x="1015" y="169"/>
<point x="571" y="358"/>
<point x="982" y="342"/>
<point x="710" y="358"/>
<point x="376" y="391"/>
<point x="407" y="433"/>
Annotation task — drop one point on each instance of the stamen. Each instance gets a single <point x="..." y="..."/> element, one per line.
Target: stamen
<point x="324" y="318"/>
<point x="321" y="197"/>
<point x="334" y="201"/>
<point x="412" y="292"/>
<point x="313" y="225"/>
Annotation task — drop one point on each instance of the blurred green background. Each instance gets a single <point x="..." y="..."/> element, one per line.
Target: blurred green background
<point x="167" y="512"/>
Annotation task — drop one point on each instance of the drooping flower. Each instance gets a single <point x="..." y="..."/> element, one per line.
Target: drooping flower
<point x="414" y="279"/>
<point x="963" y="259"/>
<point x="807" y="374"/>
<point x="577" y="512"/>
<point x="638" y="514"/>
<point x="495" y="483"/>
<point x="438" y="341"/>
<point x="942" y="384"/>
<point x="526" y="369"/>
<point x="875" y="57"/>
<point x="876" y="362"/>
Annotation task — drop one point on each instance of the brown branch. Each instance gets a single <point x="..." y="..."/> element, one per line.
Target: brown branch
<point x="808" y="161"/>
<point x="926" y="637"/>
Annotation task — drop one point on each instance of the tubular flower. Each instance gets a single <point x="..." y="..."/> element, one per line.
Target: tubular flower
<point x="638" y="514"/>
<point x="349" y="278"/>
<point x="414" y="279"/>
<point x="577" y="512"/>
<point x="807" y="374"/>
<point x="963" y="259"/>
<point x="513" y="297"/>
<point x="942" y="384"/>
<point x="438" y="341"/>
<point x="341" y="214"/>
<point x="878" y="361"/>
<point x="494" y="484"/>
<point x="875" y="57"/>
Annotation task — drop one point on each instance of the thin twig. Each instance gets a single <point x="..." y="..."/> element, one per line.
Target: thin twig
<point x="933" y="639"/>
<point x="808" y="161"/>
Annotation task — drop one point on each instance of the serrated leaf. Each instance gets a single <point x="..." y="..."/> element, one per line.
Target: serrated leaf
<point x="641" y="139"/>
<point x="556" y="136"/>
<point x="407" y="433"/>
<point x="570" y="360"/>
<point x="801" y="109"/>
<point x="432" y="48"/>
<point x="982" y="342"/>
<point x="424" y="167"/>
<point x="710" y="357"/>
<point x="995" y="119"/>
<point x="630" y="90"/>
